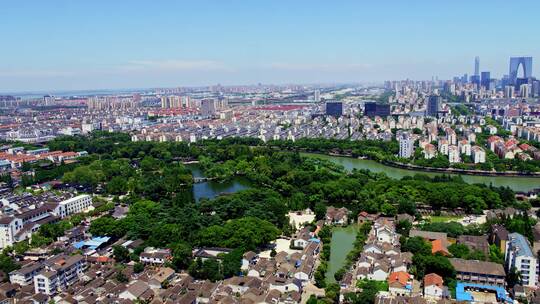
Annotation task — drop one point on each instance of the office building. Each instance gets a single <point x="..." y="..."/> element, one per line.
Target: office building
<point x="406" y="145"/>
<point x="334" y="108"/>
<point x="433" y="106"/>
<point x="520" y="256"/>
<point x="485" y="79"/>
<point x="515" y="63"/>
<point x="372" y="109"/>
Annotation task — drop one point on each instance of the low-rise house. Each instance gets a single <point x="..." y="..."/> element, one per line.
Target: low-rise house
<point x="155" y="256"/>
<point x="499" y="236"/>
<point x="210" y="252"/>
<point x="248" y="259"/>
<point x="364" y="217"/>
<point x="434" y="287"/>
<point x="479" y="272"/>
<point x="284" y="285"/>
<point x="379" y="272"/>
<point x="474" y="242"/>
<point x="439" y="246"/>
<point x="335" y="216"/>
<point x="25" y="275"/>
<point x="162" y="275"/>
<point x="400" y="283"/>
<point x="138" y="290"/>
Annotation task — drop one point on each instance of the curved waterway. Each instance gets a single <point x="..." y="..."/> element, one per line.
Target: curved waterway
<point x="519" y="183"/>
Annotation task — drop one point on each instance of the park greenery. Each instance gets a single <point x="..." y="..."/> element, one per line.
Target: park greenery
<point x="151" y="178"/>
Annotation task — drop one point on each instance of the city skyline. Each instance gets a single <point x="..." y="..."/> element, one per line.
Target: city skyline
<point x="99" y="45"/>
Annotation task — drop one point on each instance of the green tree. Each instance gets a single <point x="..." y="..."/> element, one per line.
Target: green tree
<point x="138" y="267"/>
<point x="459" y="250"/>
<point x="121" y="254"/>
<point x="416" y="245"/>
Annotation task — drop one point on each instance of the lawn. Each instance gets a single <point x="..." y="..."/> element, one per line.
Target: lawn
<point x="445" y="219"/>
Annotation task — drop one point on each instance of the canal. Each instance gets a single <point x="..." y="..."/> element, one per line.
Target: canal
<point x="211" y="189"/>
<point x="522" y="184"/>
<point x="342" y="243"/>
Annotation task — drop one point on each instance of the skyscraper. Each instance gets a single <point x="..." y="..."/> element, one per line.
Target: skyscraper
<point x="476" y="66"/>
<point x="433" y="105"/>
<point x="485" y="80"/>
<point x="526" y="65"/>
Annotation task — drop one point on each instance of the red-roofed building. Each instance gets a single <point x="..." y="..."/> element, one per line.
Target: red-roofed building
<point x="400" y="283"/>
<point x="439" y="246"/>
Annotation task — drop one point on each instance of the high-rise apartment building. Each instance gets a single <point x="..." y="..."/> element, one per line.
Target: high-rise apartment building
<point x="406" y="145"/>
<point x="208" y="107"/>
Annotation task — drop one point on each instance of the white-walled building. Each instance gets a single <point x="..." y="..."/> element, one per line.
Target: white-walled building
<point x="478" y="155"/>
<point x="406" y="145"/>
<point x="9" y="227"/>
<point x="443" y="146"/>
<point x="59" y="273"/>
<point x="464" y="147"/>
<point x="519" y="255"/>
<point x="74" y="205"/>
<point x="453" y="154"/>
<point x="433" y="287"/>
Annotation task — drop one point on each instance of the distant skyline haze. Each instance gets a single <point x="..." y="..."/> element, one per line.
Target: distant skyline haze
<point x="78" y="45"/>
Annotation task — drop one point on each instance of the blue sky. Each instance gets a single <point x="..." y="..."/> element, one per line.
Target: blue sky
<point x="54" y="45"/>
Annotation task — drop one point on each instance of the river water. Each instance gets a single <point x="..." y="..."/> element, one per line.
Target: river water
<point x="516" y="183"/>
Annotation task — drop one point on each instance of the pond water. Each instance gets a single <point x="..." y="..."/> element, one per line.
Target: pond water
<point x="212" y="189"/>
<point x="342" y="243"/>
